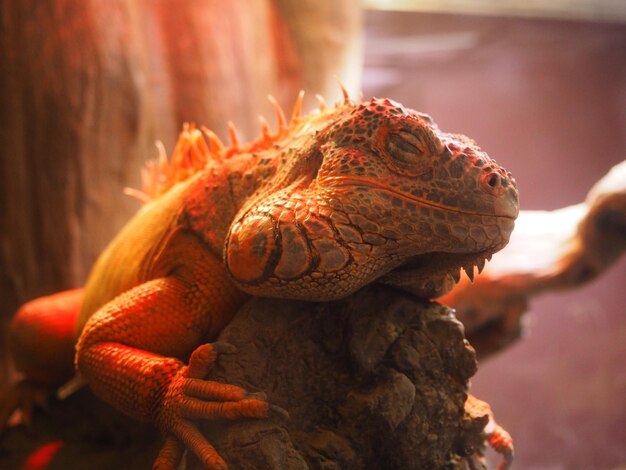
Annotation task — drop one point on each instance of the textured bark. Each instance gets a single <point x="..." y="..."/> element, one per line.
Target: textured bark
<point x="378" y="380"/>
<point x="69" y="128"/>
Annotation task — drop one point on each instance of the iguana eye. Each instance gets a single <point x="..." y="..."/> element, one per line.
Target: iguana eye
<point x="405" y="148"/>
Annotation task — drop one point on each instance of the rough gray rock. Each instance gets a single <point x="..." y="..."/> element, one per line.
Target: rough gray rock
<point x="374" y="381"/>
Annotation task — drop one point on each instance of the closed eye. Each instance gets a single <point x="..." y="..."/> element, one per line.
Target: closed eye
<point x="405" y="148"/>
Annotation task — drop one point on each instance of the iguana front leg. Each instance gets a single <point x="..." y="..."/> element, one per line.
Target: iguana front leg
<point x="200" y="363"/>
<point x="130" y="352"/>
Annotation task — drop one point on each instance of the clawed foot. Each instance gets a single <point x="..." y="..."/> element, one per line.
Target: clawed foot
<point x="500" y="441"/>
<point x="497" y="437"/>
<point x="190" y="397"/>
<point x="19" y="402"/>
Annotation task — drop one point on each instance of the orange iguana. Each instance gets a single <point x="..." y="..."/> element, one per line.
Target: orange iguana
<point x="330" y="202"/>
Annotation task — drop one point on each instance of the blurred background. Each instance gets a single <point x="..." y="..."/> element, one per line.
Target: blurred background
<point x="87" y="86"/>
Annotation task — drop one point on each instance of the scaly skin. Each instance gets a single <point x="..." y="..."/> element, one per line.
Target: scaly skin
<point x="328" y="204"/>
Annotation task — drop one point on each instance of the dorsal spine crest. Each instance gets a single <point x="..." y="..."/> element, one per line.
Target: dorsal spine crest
<point x="198" y="148"/>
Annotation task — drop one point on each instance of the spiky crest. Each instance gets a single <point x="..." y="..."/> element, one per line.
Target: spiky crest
<point x="322" y="102"/>
<point x="232" y="133"/>
<point x="197" y="148"/>
<point x="280" y="115"/>
<point x="297" y="108"/>
<point x="344" y="92"/>
<point x="266" y="132"/>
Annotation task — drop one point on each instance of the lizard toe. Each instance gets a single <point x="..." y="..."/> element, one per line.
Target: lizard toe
<point x="209" y="390"/>
<point x="170" y="455"/>
<point x="204" y="357"/>
<point x="500" y="441"/>
<point x="193" y="439"/>
<point x="22" y="398"/>
<point x="193" y="408"/>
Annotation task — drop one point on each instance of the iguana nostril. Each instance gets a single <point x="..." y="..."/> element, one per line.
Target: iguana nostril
<point x="493" y="179"/>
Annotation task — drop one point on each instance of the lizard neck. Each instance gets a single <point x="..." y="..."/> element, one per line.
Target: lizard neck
<point x="248" y="175"/>
<point x="215" y="195"/>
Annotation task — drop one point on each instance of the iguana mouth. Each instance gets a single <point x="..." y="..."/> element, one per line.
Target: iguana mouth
<point x="433" y="274"/>
<point x="344" y="181"/>
<point x="448" y="263"/>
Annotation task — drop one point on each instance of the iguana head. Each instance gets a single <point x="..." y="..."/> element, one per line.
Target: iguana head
<point x="371" y="191"/>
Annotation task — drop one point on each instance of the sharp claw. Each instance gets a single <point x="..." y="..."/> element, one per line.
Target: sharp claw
<point x="256" y="395"/>
<point x="279" y="411"/>
<point x="70" y="387"/>
<point x="507" y="461"/>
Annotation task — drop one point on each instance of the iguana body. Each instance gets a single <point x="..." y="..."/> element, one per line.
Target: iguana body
<point x="329" y="203"/>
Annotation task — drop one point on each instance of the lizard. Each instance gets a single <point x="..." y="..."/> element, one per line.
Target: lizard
<point x="350" y="194"/>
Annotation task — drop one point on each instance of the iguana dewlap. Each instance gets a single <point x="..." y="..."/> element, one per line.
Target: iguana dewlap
<point x="327" y="204"/>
